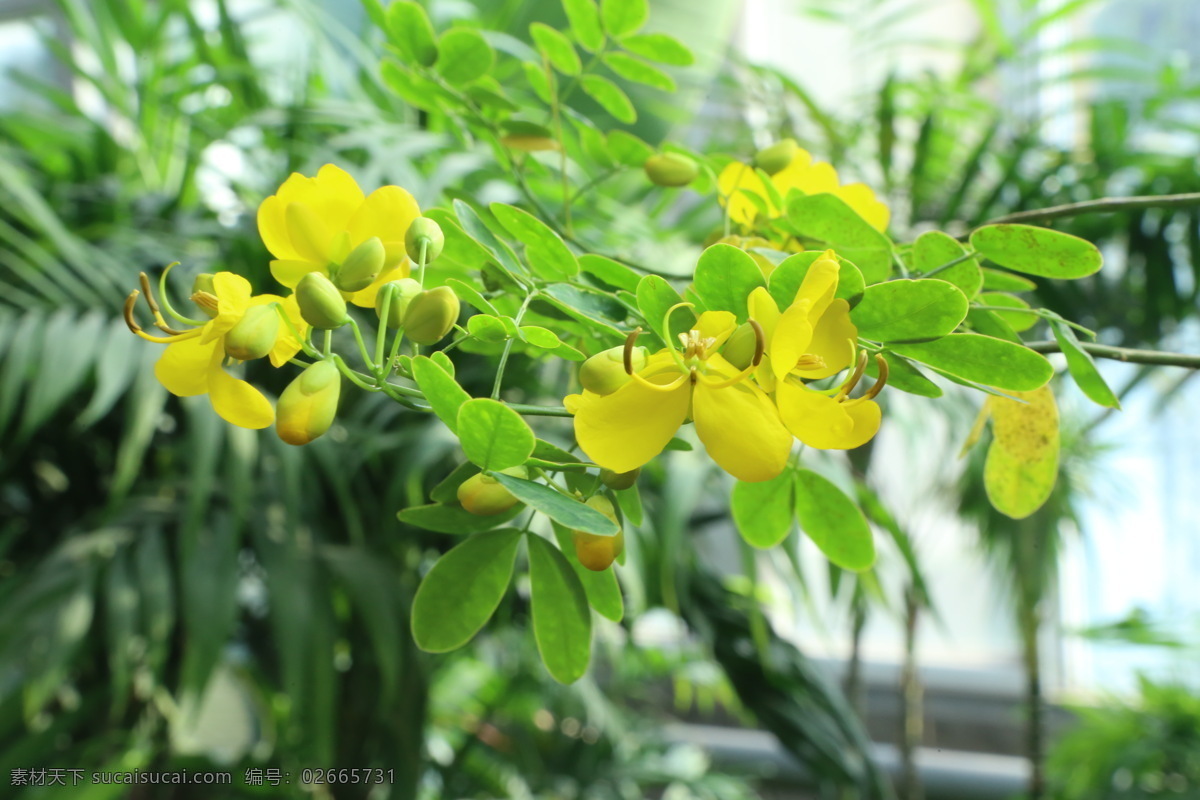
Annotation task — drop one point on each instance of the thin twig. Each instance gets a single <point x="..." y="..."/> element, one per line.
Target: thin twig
<point x="1105" y="205"/>
<point x="1126" y="354"/>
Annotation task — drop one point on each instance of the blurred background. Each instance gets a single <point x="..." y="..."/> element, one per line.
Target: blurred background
<point x="178" y="594"/>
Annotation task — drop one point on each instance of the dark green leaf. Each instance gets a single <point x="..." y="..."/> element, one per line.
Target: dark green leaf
<point x="557" y="506"/>
<point x="1083" y="368"/>
<point x="603" y="591"/>
<point x="833" y="522"/>
<point x="453" y="519"/>
<point x="763" y="511"/>
<point x="562" y="622"/>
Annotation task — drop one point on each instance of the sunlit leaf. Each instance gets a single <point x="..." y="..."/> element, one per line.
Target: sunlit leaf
<point x="983" y="359"/>
<point x="463" y="56"/>
<point x="725" y="277"/>
<point x="493" y="436"/>
<point x="909" y="310"/>
<point x="1037" y="251"/>
<point x="610" y="97"/>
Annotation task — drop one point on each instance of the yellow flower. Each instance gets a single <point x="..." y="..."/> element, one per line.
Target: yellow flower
<point x="311" y="223"/>
<point x="192" y="363"/>
<point x="735" y="420"/>
<point x="813" y="339"/>
<point x="803" y="174"/>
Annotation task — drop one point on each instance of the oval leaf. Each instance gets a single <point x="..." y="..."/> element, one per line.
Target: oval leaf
<point x="493" y="436"/>
<point x="610" y="97"/>
<point x="453" y="519"/>
<point x="906" y="310"/>
<point x="763" y="511"/>
<point x="603" y="591"/>
<point x="1037" y="251"/>
<point x="623" y="17"/>
<point x="638" y="71"/>
<point x="833" y="522"/>
<point x="462" y="590"/>
<point x="584" y="17"/>
<point x="440" y="389"/>
<point x="545" y="250"/>
<point x="562" y="622"/>
<point x="557" y="506"/>
<point x="828" y="219"/>
<point x="785" y="280"/>
<point x="556" y="47"/>
<point x="409" y="29"/>
<point x="463" y="56"/>
<point x="934" y="249"/>
<point x="983" y="359"/>
<point x="659" y="47"/>
<point x="725" y="277"/>
<point x="1082" y="368"/>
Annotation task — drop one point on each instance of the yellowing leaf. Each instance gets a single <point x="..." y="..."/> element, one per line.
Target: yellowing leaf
<point x="1022" y="461"/>
<point x="1026" y="430"/>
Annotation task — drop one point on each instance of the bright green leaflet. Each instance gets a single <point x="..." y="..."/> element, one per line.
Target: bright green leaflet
<point x="603" y="591"/>
<point x="562" y="621"/>
<point x="1037" y="251"/>
<point x="453" y="519"/>
<point x="829" y="220"/>
<point x="630" y="501"/>
<point x="462" y="590"/>
<point x="934" y="249"/>
<point x="556" y="47"/>
<point x="996" y="280"/>
<point x="655" y="296"/>
<point x="1017" y="320"/>
<point x="983" y="359"/>
<point x="623" y="17"/>
<point x="638" y="71"/>
<point x="469" y="294"/>
<point x="908" y="310"/>
<point x="540" y="337"/>
<point x="628" y="149"/>
<point x="464" y="55"/>
<point x="487" y="328"/>
<point x="584" y="17"/>
<point x="659" y="47"/>
<point x="545" y="250"/>
<point x="409" y="29"/>
<point x="611" y="272"/>
<point x="763" y="511"/>
<point x="725" y="277"/>
<point x="833" y="522"/>
<point x="442" y="391"/>
<point x="1083" y="368"/>
<point x="565" y="510"/>
<point x="610" y="97"/>
<point x="785" y="280"/>
<point x="492" y="435"/>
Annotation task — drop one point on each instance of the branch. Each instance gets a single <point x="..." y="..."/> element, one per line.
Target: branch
<point x="1126" y="354"/>
<point x="1105" y="205"/>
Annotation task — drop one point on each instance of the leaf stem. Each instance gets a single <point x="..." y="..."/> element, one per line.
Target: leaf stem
<point x="508" y="349"/>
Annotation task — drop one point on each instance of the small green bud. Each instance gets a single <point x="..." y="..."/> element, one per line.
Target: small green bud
<point x="740" y="347"/>
<point x="484" y="496"/>
<point x="403" y="291"/>
<point x="431" y="315"/>
<point x="308" y="405"/>
<point x="596" y="552"/>
<point x="423" y="229"/>
<point x="670" y="169"/>
<point x="619" y="480"/>
<point x="254" y="334"/>
<point x="204" y="295"/>
<point x="361" y="266"/>
<point x="776" y="157"/>
<point x="604" y="372"/>
<point x="321" y="304"/>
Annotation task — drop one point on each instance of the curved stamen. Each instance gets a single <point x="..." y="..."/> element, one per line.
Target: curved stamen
<point x="130" y="303"/>
<point x="166" y="299"/>
<point x="630" y="340"/>
<point x="660" y="387"/>
<point x="882" y="364"/>
<point x="667" y="333"/>
<point x="159" y="322"/>
<point x="725" y="384"/>
<point x="760" y="343"/>
<point x="855" y="377"/>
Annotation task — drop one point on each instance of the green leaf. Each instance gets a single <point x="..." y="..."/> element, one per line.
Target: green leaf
<point x="539" y="81"/>
<point x="828" y="219"/>
<point x="763" y="511"/>
<point x="544" y="249"/>
<point x="997" y="281"/>
<point x="654" y="297"/>
<point x="638" y="71"/>
<point x="462" y="590"/>
<point x="623" y="17"/>
<point x="540" y="337"/>
<point x="610" y="97"/>
<point x="630" y="501"/>
<point x="557" y="506"/>
<point x="464" y="55"/>
<point x="613" y="273"/>
<point x="453" y="519"/>
<point x="904" y="376"/>
<point x="584" y="17"/>
<point x="990" y="324"/>
<point x="786" y="278"/>
<point x="1037" y="251"/>
<point x="470" y="295"/>
<point x="603" y="591"/>
<point x="628" y="149"/>
<point x="1017" y="320"/>
<point x="482" y="235"/>
<point x="934" y="249"/>
<point x="725" y="277"/>
<point x="562" y="622"/>
<point x="555" y="47"/>
<point x="983" y="359"/>
<point x="659" y="47"/>
<point x="487" y="328"/>
<point x="1082" y="368"/>
<point x="493" y="436"/>
<point x="909" y="310"/>
<point x="442" y="391"/>
<point x="409" y="29"/>
<point x="833" y="522"/>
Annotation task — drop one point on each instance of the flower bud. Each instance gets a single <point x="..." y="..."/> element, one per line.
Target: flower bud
<point x="423" y="229"/>
<point x="670" y="169"/>
<point x="321" y="304"/>
<point x="431" y="315"/>
<point x="596" y="552"/>
<point x="309" y="403"/>
<point x="777" y="157"/>
<point x="619" y="480"/>
<point x="204" y="295"/>
<point x="254" y="334"/>
<point x="604" y="372"/>
<point x="361" y="266"/>
<point x="740" y="347"/>
<point x="484" y="496"/>
<point x="403" y="291"/>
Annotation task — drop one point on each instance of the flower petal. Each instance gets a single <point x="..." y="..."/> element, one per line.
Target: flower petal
<point x="864" y="202"/>
<point x="233" y="296"/>
<point x="819" y="284"/>
<point x="183" y="367"/>
<point x="822" y="422"/>
<point x="272" y="227"/>
<point x="735" y="177"/>
<point x="236" y="401"/>
<point x="387" y="212"/>
<point x="764" y="311"/>
<point x="793" y="174"/>
<point x="793" y="333"/>
<point x="624" y="430"/>
<point x="289" y="271"/>
<point x="740" y="427"/>
<point x="365" y="298"/>
<point x="833" y="339"/>
<point x="311" y="235"/>
<point x="286" y="346"/>
<point x="717" y="325"/>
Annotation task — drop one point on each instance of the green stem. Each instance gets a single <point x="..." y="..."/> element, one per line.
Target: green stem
<point x="351" y="375"/>
<point x="329" y="342"/>
<point x="381" y="331"/>
<point x="508" y="346"/>
<point x="362" y="346"/>
<point x="1126" y="354"/>
<point x="1038" y="312"/>
<point x="1105" y="205"/>
<point x="308" y="350"/>
<point x="166" y="299"/>
<point x="949" y="264"/>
